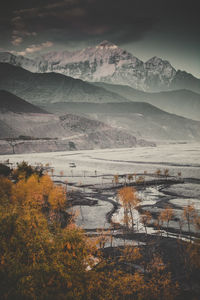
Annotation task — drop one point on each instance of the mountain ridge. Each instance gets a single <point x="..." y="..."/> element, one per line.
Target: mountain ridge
<point x="181" y="102"/>
<point x="106" y="62"/>
<point x="10" y="102"/>
<point x="39" y="88"/>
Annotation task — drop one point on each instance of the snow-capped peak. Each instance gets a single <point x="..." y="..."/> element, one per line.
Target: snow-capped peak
<point x="157" y="61"/>
<point x="105" y="62"/>
<point x="107" y="44"/>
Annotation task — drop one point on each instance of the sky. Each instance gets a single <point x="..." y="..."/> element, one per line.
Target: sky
<point x="146" y="28"/>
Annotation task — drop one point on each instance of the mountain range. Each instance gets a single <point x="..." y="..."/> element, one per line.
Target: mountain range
<point x="99" y="97"/>
<point x="109" y="63"/>
<point x="180" y="102"/>
<point x="42" y="88"/>
<point x="27" y="128"/>
<point x="140" y="119"/>
<point x="45" y="88"/>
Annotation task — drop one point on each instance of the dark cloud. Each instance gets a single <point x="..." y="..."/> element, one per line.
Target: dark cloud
<point x="124" y="19"/>
<point x="170" y="25"/>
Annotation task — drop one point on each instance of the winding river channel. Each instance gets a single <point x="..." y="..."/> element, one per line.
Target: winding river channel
<point x="89" y="179"/>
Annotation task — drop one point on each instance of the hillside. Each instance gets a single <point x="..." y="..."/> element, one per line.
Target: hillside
<point x="12" y="103"/>
<point x="27" y="128"/>
<point x="107" y="62"/>
<point x="181" y="102"/>
<point x="140" y="119"/>
<point x="51" y="87"/>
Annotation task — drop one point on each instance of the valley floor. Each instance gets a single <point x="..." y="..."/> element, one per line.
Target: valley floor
<point x="92" y="193"/>
<point x="89" y="175"/>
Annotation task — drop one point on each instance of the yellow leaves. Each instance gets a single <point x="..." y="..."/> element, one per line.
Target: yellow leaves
<point x="38" y="192"/>
<point x="166" y="214"/>
<point x="46" y="185"/>
<point x="130" y="177"/>
<point x="128" y="195"/>
<point x="5" y="188"/>
<point x="2" y="260"/>
<point x="193" y="255"/>
<point x="166" y="172"/>
<point x="18" y="195"/>
<point x="130" y="253"/>
<point x="68" y="245"/>
<point x="103" y="237"/>
<point x="69" y="284"/>
<point x="146" y="218"/>
<point x="189" y="212"/>
<point x="158" y="172"/>
<point x="140" y="179"/>
<point x="116" y="179"/>
<point x="57" y="198"/>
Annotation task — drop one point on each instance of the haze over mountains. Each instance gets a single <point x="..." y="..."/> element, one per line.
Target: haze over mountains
<point x="108" y="63"/>
<point x="51" y="87"/>
<point x="181" y="102"/>
<point x="141" y="119"/>
<point x="45" y="88"/>
<point x="27" y="128"/>
<point x="109" y="98"/>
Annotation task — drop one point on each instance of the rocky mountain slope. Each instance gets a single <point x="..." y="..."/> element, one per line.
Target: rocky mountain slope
<point x="140" y="119"/>
<point x="109" y="63"/>
<point x="51" y="87"/>
<point x="26" y="128"/>
<point x="12" y="103"/>
<point x="181" y="102"/>
<point x="20" y="118"/>
<point x="34" y="65"/>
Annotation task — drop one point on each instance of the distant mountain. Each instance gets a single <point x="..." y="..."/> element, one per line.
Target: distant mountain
<point x="181" y="102"/>
<point x="184" y="80"/>
<point x="109" y="63"/>
<point x="140" y="119"/>
<point x="24" y="133"/>
<point x="27" y="128"/>
<point x="34" y="65"/>
<point x="51" y="87"/>
<point x="19" y="117"/>
<point x="12" y="103"/>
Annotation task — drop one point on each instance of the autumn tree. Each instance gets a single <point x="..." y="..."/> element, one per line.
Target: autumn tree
<point x="24" y="170"/>
<point x="166" y="173"/>
<point x="129" y="200"/>
<point x="130" y="177"/>
<point x="140" y="179"/>
<point x="145" y="219"/>
<point x="38" y="258"/>
<point x="189" y="215"/>
<point x="160" y="284"/>
<point x="116" y="179"/>
<point x="179" y="174"/>
<point x="103" y="237"/>
<point x="166" y="215"/>
<point x="158" y="173"/>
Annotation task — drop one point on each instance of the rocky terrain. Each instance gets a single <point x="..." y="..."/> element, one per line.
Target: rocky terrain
<point x="109" y="63"/>
<point x="181" y="102"/>
<point x="141" y="119"/>
<point x="27" y="128"/>
<point x="40" y="88"/>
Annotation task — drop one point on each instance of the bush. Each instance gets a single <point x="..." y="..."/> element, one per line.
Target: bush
<point x="4" y="170"/>
<point x="24" y="170"/>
